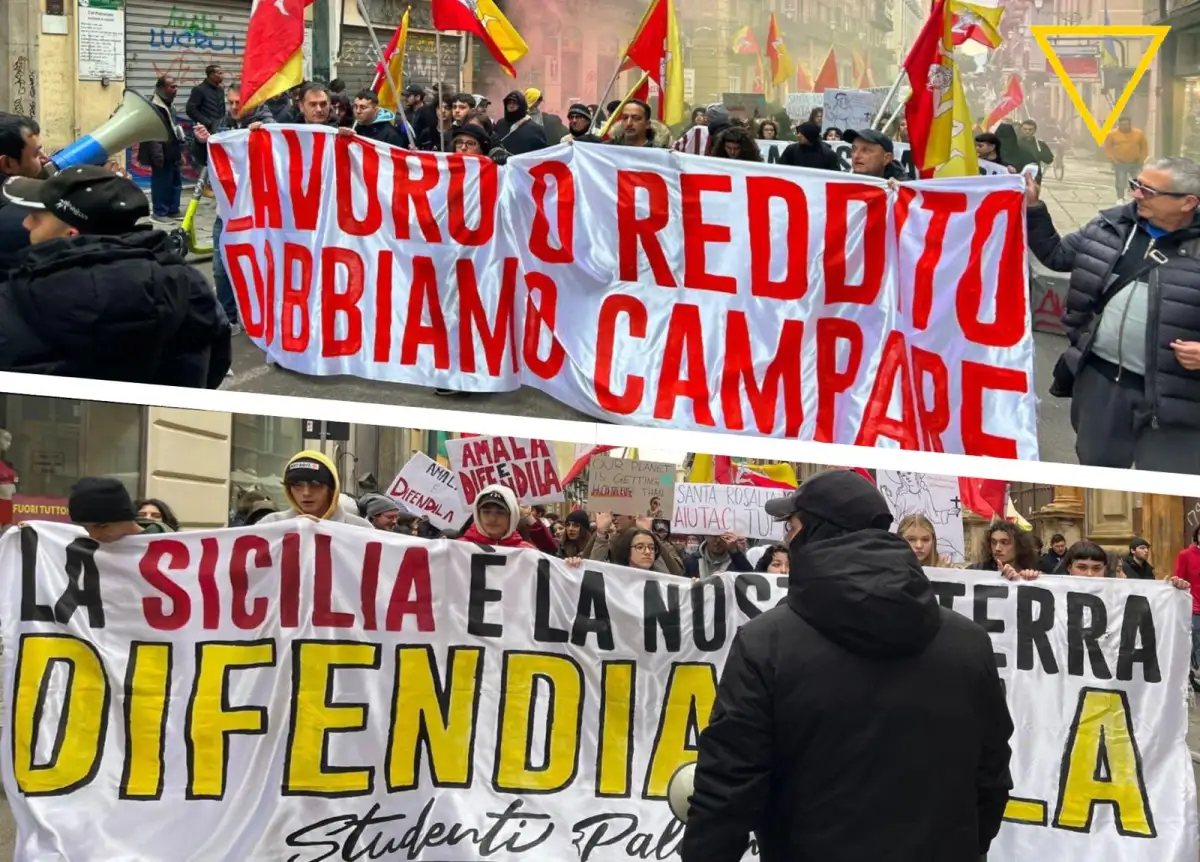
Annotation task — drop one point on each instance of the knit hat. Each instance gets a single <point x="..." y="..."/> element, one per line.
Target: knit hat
<point x="373" y="505"/>
<point x="811" y="132"/>
<point x="579" y="517"/>
<point x="532" y="96"/>
<point x="309" y="470"/>
<point x="100" y="500"/>
<point x="579" y="111"/>
<point x="1139" y="542"/>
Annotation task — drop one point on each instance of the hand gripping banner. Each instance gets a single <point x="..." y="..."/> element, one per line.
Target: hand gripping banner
<point x="311" y="692"/>
<point x="642" y="286"/>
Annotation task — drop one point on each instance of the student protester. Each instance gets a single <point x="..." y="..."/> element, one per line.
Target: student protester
<point x="1009" y="552"/>
<point x="809" y="151"/>
<point x="774" y="560"/>
<point x="635" y="548"/>
<point x="1136" y="564"/>
<point x="496" y="518"/>
<point x="152" y="509"/>
<point x="103" y="507"/>
<point x="609" y="530"/>
<point x="735" y="143"/>
<point x="1052" y="559"/>
<point x="717" y="555"/>
<point x="374" y="122"/>
<point x="312" y="487"/>
<point x="577" y="534"/>
<point x="383" y="513"/>
<point x="918" y="531"/>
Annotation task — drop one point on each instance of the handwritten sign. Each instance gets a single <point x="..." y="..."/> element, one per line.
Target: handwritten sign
<point x="527" y="467"/>
<point x="427" y="489"/>
<point x="710" y="510"/>
<point x="627" y="486"/>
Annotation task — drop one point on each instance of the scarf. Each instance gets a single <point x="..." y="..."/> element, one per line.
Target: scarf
<point x="473" y="534"/>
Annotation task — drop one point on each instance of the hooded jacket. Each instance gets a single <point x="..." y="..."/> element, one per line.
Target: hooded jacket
<point x="858" y="720"/>
<point x="517" y="133"/>
<point x="810" y="153"/>
<point x="383" y="129"/>
<point x="511" y="539"/>
<point x="337" y="510"/>
<point x="121" y="308"/>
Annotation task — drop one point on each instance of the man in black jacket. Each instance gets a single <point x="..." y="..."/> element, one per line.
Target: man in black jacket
<point x="1133" y="321"/>
<point x="164" y="158"/>
<point x="858" y="720"/>
<point x="517" y="133"/>
<point x="206" y="104"/>
<point x="20" y="156"/>
<point x="579" y="125"/>
<point x="1137" y="562"/>
<point x="810" y="151"/>
<point x="370" y="121"/>
<point x="94" y="296"/>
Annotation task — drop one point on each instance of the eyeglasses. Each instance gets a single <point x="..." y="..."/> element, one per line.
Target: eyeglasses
<point x="645" y="549"/>
<point x="1149" y="192"/>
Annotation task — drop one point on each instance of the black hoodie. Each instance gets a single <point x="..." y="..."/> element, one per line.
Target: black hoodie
<point x="517" y="133"/>
<point x="812" y="152"/>
<point x="112" y="308"/>
<point x="858" y="720"/>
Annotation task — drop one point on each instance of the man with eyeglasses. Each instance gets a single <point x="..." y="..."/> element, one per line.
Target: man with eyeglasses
<point x="1132" y="370"/>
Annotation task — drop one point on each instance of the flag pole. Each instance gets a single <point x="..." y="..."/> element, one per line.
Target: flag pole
<point x="437" y="50"/>
<point x="887" y="101"/>
<point x="621" y="107"/>
<point x="387" y="71"/>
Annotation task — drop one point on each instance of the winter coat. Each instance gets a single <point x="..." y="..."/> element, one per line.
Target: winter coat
<point x="857" y="720"/>
<point x="206" y="104"/>
<point x="821" y="156"/>
<point x="159" y="154"/>
<point x="737" y="563"/>
<point x="13" y="236"/>
<point x="511" y="539"/>
<point x="1089" y="255"/>
<point x="517" y="133"/>
<point x="383" y="129"/>
<point x="121" y="308"/>
<point x="1187" y="566"/>
<point x="337" y="511"/>
<point x="1049" y="563"/>
<point x="600" y="552"/>
<point x="1134" y="568"/>
<point x="552" y="125"/>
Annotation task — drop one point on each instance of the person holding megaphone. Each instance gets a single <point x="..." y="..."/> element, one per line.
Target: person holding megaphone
<point x="857" y="721"/>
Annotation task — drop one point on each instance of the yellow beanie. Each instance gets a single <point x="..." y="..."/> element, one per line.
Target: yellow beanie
<point x="532" y="96"/>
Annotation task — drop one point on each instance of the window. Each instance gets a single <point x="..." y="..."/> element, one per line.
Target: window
<point x="262" y="446"/>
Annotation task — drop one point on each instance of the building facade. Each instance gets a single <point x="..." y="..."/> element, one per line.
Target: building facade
<point x="1176" y="78"/>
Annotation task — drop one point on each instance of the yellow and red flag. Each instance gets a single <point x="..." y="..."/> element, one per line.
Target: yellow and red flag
<point x="777" y="54"/>
<point x="393" y="56"/>
<point x="487" y="23"/>
<point x="977" y="24"/>
<point x="827" y="77"/>
<point x="657" y="51"/>
<point x="744" y="42"/>
<point x="273" y="59"/>
<point x="1012" y="99"/>
<point x="760" y="83"/>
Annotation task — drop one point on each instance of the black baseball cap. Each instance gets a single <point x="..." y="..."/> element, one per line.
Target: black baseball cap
<point x="91" y="199"/>
<point x="871" y="137"/>
<point x="475" y="132"/>
<point x="842" y="497"/>
<point x="414" y="90"/>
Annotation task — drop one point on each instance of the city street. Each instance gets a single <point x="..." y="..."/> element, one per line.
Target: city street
<point x="1085" y="189"/>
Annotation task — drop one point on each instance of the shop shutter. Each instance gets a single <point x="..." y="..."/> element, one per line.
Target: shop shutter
<point x="357" y="58"/>
<point x="180" y="39"/>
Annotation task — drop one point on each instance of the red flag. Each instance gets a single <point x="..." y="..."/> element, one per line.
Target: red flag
<point x="759" y="83"/>
<point x="451" y="15"/>
<point x="827" y="78"/>
<point x="804" y="81"/>
<point x="922" y="62"/>
<point x="865" y="473"/>
<point x="579" y="465"/>
<point x="967" y="30"/>
<point x="1012" y="99"/>
<point x="647" y="49"/>
<point x="987" y="498"/>
<point x="273" y="60"/>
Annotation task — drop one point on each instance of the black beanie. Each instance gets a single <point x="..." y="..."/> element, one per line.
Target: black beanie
<point x="579" y="517"/>
<point x="100" y="500"/>
<point x="308" y="470"/>
<point x="811" y="132"/>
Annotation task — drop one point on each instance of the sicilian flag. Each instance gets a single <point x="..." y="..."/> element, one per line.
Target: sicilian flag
<point x="976" y="24"/>
<point x="987" y="498"/>
<point x="483" y="20"/>
<point x="722" y="470"/>
<point x="1012" y="99"/>
<point x="273" y="60"/>
<point x="393" y="63"/>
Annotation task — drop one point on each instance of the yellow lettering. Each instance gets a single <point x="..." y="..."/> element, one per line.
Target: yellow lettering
<point x="211" y="721"/>
<point x="74" y="700"/>
<point x="691" y="691"/>
<point x="315" y="717"/>
<point x="1031" y="812"/>
<point x="442" y="718"/>
<point x="523" y="674"/>
<point x="1102" y="765"/>
<point x="615" y="764"/>
<point x="147" y="689"/>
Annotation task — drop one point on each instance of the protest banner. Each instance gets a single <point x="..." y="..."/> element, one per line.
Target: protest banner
<point x="935" y="497"/>
<point x="642" y="286"/>
<point x="629" y="486"/>
<point x="847" y="109"/>
<point x="704" y="509"/>
<point x="427" y="489"/>
<point x="771" y="151"/>
<point x="528" y="467"/>
<point x="453" y="702"/>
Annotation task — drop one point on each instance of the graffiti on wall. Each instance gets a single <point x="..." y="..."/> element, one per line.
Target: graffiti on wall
<point x="24" y="88"/>
<point x="188" y="42"/>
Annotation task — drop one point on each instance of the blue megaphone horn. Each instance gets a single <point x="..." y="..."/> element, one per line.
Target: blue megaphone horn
<point x="135" y="121"/>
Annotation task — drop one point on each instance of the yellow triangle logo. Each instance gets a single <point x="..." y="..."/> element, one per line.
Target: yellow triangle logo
<point x="1043" y="33"/>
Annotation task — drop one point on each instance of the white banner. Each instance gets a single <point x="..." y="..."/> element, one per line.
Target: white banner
<point x="642" y="286"/>
<point x="426" y="488"/>
<point x="308" y="691"/>
<point x="703" y="509"/>
<point x="527" y="467"/>
<point x="772" y="150"/>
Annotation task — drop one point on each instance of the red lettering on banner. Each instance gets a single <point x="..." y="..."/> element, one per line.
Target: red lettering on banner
<point x="487" y="187"/>
<point x="499" y="340"/>
<point x="383" y="306"/>
<point x="264" y="189"/>
<point x="289" y="582"/>
<point x="941" y="205"/>
<point x="412" y="594"/>
<point x="174" y="554"/>
<point x="872" y="239"/>
<point x="210" y="598"/>
<point x="876" y="423"/>
<point x="932" y="418"/>
<point x="368" y="587"/>
<point x="564" y="213"/>
<point x="324" y="615"/>
<point x="235" y="255"/>
<point x="243" y="616"/>
<point x="410" y="196"/>
<point x="832" y="382"/>
<point x="1011" y="300"/>
<point x="760" y="191"/>
<point x="634" y="232"/>
<point x="978" y="378"/>
<point x="697" y="233"/>
<point x="423" y="296"/>
<point x="306" y="197"/>
<point x="296" y="290"/>
<point x="611" y="309"/>
<point x="335" y="302"/>
<point x="544" y="311"/>
<point x="530" y="473"/>
<point x="685" y="342"/>
<point x="344" y="165"/>
<point x="218" y="161"/>
<point x="784" y="370"/>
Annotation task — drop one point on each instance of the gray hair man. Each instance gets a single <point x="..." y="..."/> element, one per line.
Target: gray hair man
<point x="1132" y="370"/>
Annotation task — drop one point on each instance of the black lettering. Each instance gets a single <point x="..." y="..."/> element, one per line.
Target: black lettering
<point x="660" y="614"/>
<point x="1081" y="636"/>
<point x="984" y="593"/>
<point x="947" y="592"/>
<point x="1033" y="633"/>
<point x="699" y="590"/>
<point x="482" y="595"/>
<point x="83" y="584"/>
<point x="31" y="610"/>
<point x="592" y="612"/>
<point x="742" y="585"/>
<point x="543" y="631"/>
<point x="1139" y="641"/>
